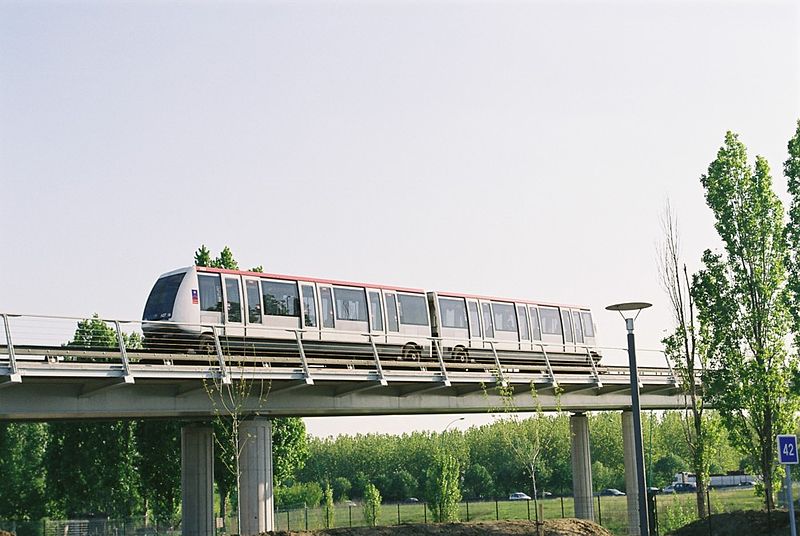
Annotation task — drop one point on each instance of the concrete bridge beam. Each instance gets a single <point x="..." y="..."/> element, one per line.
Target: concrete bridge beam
<point x="581" y="466"/>
<point x="197" y="480"/>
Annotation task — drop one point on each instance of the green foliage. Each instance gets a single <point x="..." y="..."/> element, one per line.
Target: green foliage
<point x="226" y="260"/>
<point x="478" y="482"/>
<point x="22" y="491"/>
<point x="791" y="170"/>
<point x="329" y="506"/>
<point x="289" y="447"/>
<point x="675" y="514"/>
<point x="159" y="445"/>
<point x="341" y="488"/>
<point x="665" y="468"/>
<point x="443" y="492"/>
<point x="372" y="505"/>
<point x="743" y="315"/>
<point x="202" y="257"/>
<point x="298" y="495"/>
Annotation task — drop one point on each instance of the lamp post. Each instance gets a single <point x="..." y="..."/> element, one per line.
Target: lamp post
<point x="622" y="308"/>
<point x="451" y="423"/>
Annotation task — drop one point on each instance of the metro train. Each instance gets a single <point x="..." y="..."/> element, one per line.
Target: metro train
<point x="254" y="310"/>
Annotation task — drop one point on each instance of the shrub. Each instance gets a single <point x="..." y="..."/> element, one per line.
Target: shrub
<point x="298" y="495"/>
<point x="372" y="505"/>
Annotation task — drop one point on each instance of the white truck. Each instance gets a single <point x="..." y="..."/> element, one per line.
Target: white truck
<point x="728" y="480"/>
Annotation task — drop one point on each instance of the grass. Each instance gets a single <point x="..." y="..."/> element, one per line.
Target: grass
<point x="611" y="512"/>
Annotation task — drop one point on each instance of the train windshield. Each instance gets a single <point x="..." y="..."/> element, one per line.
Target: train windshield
<point x="162" y="298"/>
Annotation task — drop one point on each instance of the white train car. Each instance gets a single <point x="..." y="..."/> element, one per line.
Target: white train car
<point x="246" y="308"/>
<point x="467" y="323"/>
<point x="253" y="311"/>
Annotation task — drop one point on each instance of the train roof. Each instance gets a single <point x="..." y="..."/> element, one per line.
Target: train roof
<point x="309" y="279"/>
<point x="508" y="300"/>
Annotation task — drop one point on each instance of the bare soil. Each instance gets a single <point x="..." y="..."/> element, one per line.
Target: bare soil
<point x="742" y="523"/>
<point x="555" y="527"/>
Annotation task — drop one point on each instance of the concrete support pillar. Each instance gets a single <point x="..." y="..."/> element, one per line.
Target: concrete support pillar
<point x="255" y="484"/>
<point x="581" y="466"/>
<point x="197" y="480"/>
<point x="631" y="486"/>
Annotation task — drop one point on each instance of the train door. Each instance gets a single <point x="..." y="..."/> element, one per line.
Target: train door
<point x="552" y="332"/>
<point x="254" y="318"/>
<point x="536" y="330"/>
<point x="569" y="332"/>
<point x="488" y="323"/>
<point x="524" y="328"/>
<point x="392" y="319"/>
<point x="310" y="324"/>
<point x="326" y="314"/>
<point x="473" y="312"/>
<point x="377" y="325"/>
<point x="578" y="327"/>
<point x="232" y="292"/>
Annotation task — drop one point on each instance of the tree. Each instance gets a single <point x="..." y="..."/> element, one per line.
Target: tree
<point x="372" y="505"/>
<point x="742" y="311"/>
<point x="159" y="446"/>
<point x="329" y="507"/>
<point x="791" y="170"/>
<point x="22" y="492"/>
<point x="478" y="482"/>
<point x="93" y="466"/>
<point x="444" y="493"/>
<point x="690" y="359"/>
<point x="289" y="447"/>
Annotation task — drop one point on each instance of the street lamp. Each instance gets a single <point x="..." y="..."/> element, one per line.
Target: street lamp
<point x="452" y="422"/>
<point x="622" y="308"/>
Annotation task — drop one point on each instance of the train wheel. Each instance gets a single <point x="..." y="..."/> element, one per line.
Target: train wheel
<point x="410" y="353"/>
<point x="460" y="354"/>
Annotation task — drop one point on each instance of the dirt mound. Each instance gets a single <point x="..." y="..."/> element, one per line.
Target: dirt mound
<point x="750" y="522"/>
<point x="555" y="527"/>
<point x="4" y="533"/>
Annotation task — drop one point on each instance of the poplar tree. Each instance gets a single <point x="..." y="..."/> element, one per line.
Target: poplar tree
<point x="742" y="310"/>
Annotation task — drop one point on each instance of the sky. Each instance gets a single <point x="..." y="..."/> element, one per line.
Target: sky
<point x="520" y="149"/>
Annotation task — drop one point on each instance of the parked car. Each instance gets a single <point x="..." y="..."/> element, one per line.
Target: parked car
<point x="518" y="496"/>
<point x="411" y="500"/>
<point x="611" y="492"/>
<point x="545" y="494"/>
<point x="681" y="487"/>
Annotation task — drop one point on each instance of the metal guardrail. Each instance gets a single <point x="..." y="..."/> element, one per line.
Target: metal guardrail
<point x="52" y="346"/>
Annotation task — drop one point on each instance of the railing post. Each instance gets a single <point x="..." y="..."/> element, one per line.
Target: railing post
<point x="503" y="381"/>
<point x="226" y="377"/>
<point x="549" y="367"/>
<point x="306" y="370"/>
<point x="597" y="381"/>
<point x="435" y="344"/>
<point x="378" y="366"/>
<point x="128" y="378"/>
<point x="15" y="376"/>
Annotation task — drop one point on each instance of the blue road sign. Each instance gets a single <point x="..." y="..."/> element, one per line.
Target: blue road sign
<point x="787" y="449"/>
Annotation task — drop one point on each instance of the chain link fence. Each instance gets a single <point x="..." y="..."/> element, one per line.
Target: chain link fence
<point x="668" y="511"/>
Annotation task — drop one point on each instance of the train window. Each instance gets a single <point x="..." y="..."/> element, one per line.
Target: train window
<point x="474" y="320"/>
<point x="537" y="332"/>
<point x="210" y="293"/>
<point x="376" y="315"/>
<point x="567" y="321"/>
<point x="588" y="327"/>
<point x="391" y="312"/>
<point x="162" y="298"/>
<point x="551" y="323"/>
<point x="351" y="304"/>
<point x="309" y="307"/>
<point x="453" y="313"/>
<point x="504" y="317"/>
<point x="253" y="302"/>
<point x="576" y="321"/>
<point x="280" y="299"/>
<point x="488" y="327"/>
<point x="413" y="309"/>
<point x="327" y="307"/>
<point x="234" y="300"/>
<point x="524" y="334"/>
